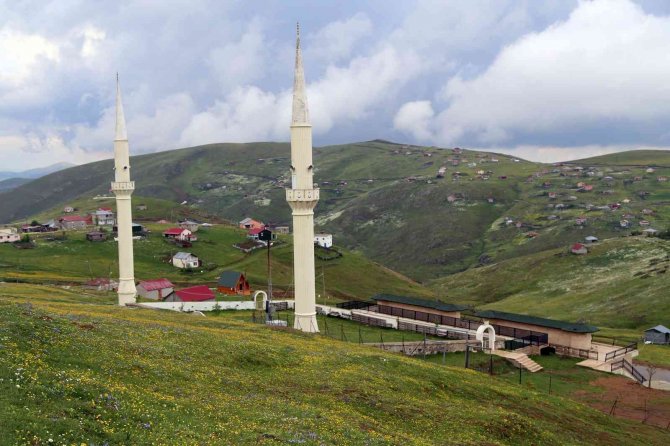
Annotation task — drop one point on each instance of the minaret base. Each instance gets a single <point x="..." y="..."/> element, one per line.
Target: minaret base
<point x="127" y="292"/>
<point x="306" y="323"/>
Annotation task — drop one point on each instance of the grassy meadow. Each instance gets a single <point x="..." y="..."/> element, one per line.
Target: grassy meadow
<point x="76" y="369"/>
<point x="76" y="260"/>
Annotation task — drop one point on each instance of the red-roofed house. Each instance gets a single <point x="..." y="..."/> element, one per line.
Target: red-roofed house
<point x="74" y="222"/>
<point x="579" y="249"/>
<point x="181" y="234"/>
<point x="253" y="233"/>
<point x="102" y="284"/>
<point x="198" y="293"/>
<point x="157" y="289"/>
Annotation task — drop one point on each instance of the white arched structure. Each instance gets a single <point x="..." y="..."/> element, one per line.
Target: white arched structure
<point x="481" y="331"/>
<point x="262" y="302"/>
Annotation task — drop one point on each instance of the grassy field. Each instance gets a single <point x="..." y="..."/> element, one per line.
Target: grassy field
<point x="79" y="370"/>
<point x="77" y="260"/>
<point x="621" y="284"/>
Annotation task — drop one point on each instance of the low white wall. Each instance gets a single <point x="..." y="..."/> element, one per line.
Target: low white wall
<point x="205" y="306"/>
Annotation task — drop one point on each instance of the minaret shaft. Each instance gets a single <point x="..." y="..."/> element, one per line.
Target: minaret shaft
<point x="123" y="188"/>
<point x="302" y="197"/>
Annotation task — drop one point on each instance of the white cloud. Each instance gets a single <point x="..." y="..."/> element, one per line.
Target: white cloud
<point x="20" y="53"/>
<point x="240" y="62"/>
<point x="607" y="63"/>
<point x="22" y="152"/>
<point x="415" y="118"/>
<point x="335" y="41"/>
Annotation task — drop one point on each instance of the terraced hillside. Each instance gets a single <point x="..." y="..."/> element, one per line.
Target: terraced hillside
<point x="384" y="199"/>
<point x="79" y="370"/>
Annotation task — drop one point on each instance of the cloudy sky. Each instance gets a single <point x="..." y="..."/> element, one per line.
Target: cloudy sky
<point x="546" y="80"/>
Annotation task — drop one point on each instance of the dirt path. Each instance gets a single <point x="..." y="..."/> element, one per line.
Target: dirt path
<point x="633" y="401"/>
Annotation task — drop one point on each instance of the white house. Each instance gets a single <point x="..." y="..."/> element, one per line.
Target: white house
<point x="185" y="260"/>
<point x="323" y="240"/>
<point x="104" y="217"/>
<point x="9" y="235"/>
<point x="157" y="289"/>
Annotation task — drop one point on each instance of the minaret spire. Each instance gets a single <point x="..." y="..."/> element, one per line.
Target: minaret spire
<point x="120" y="134"/>
<point x="300" y="109"/>
<point x="302" y="197"/>
<point x="123" y="188"/>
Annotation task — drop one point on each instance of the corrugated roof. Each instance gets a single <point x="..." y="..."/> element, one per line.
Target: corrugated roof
<point x="229" y="279"/>
<point x="156" y="284"/>
<point x="196" y="293"/>
<point x="539" y="321"/>
<point x="174" y="231"/>
<point x="660" y="329"/>
<point x="436" y="305"/>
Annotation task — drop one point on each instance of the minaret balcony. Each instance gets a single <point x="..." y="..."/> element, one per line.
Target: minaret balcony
<point x="123" y="185"/>
<point x="302" y="194"/>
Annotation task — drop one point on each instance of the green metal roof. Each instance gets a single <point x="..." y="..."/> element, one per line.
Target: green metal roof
<point x="539" y="321"/>
<point x="434" y="304"/>
<point x="229" y="278"/>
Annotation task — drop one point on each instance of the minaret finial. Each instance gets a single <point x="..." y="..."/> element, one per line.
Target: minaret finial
<point x="121" y="133"/>
<point x="300" y="109"/>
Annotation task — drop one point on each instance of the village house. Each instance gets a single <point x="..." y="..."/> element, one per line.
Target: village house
<point x="624" y="223"/>
<point x="650" y="170"/>
<point x="644" y="223"/>
<point x="441" y="171"/>
<point x="657" y="335"/>
<point x="279" y="229"/>
<point x="560" y="333"/>
<point x="232" y="283"/>
<point x="103" y="217"/>
<point x="157" y="289"/>
<point x="185" y="260"/>
<point x="180" y="234"/>
<point x="191" y="225"/>
<point x="198" y="293"/>
<point x="323" y="240"/>
<point x="650" y="232"/>
<point x="578" y="249"/>
<point x="102" y="284"/>
<point x="9" y="235"/>
<point x="250" y="223"/>
<point x="551" y="195"/>
<point x="68" y="222"/>
<point x="415" y="308"/>
<point x="591" y="239"/>
<point x="141" y="207"/>
<point x="96" y="236"/>
<point x="647" y="211"/>
<point x="68" y="209"/>
<point x="580" y="221"/>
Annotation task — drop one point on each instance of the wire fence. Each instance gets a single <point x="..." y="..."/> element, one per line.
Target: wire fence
<point x="455" y="351"/>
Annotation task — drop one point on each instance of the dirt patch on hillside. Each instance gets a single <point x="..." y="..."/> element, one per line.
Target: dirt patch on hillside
<point x="633" y="401"/>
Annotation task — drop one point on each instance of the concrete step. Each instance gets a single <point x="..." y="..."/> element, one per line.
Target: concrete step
<point x="520" y="360"/>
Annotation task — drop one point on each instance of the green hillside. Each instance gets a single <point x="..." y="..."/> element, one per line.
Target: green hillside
<point x="384" y="200"/>
<point x="75" y="260"/>
<point x="79" y="370"/>
<point x="620" y="283"/>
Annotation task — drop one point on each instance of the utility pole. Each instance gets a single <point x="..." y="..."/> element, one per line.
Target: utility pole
<point x="266" y="236"/>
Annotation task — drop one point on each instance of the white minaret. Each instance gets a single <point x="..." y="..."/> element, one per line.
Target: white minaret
<point x="302" y="197"/>
<point x="123" y="188"/>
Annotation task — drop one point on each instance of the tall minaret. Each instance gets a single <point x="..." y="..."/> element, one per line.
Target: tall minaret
<point x="302" y="197"/>
<point x="123" y="188"/>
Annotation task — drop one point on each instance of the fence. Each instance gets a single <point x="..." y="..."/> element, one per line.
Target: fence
<point x="355" y="305"/>
<point x="574" y="352"/>
<point x="630" y="368"/>
<point x="621" y="351"/>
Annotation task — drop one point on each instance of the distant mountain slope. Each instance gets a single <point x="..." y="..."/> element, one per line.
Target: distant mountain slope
<point x="384" y="198"/>
<point x="631" y="157"/>
<point x="12" y="183"/>
<point x="620" y="283"/>
<point x="35" y="173"/>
